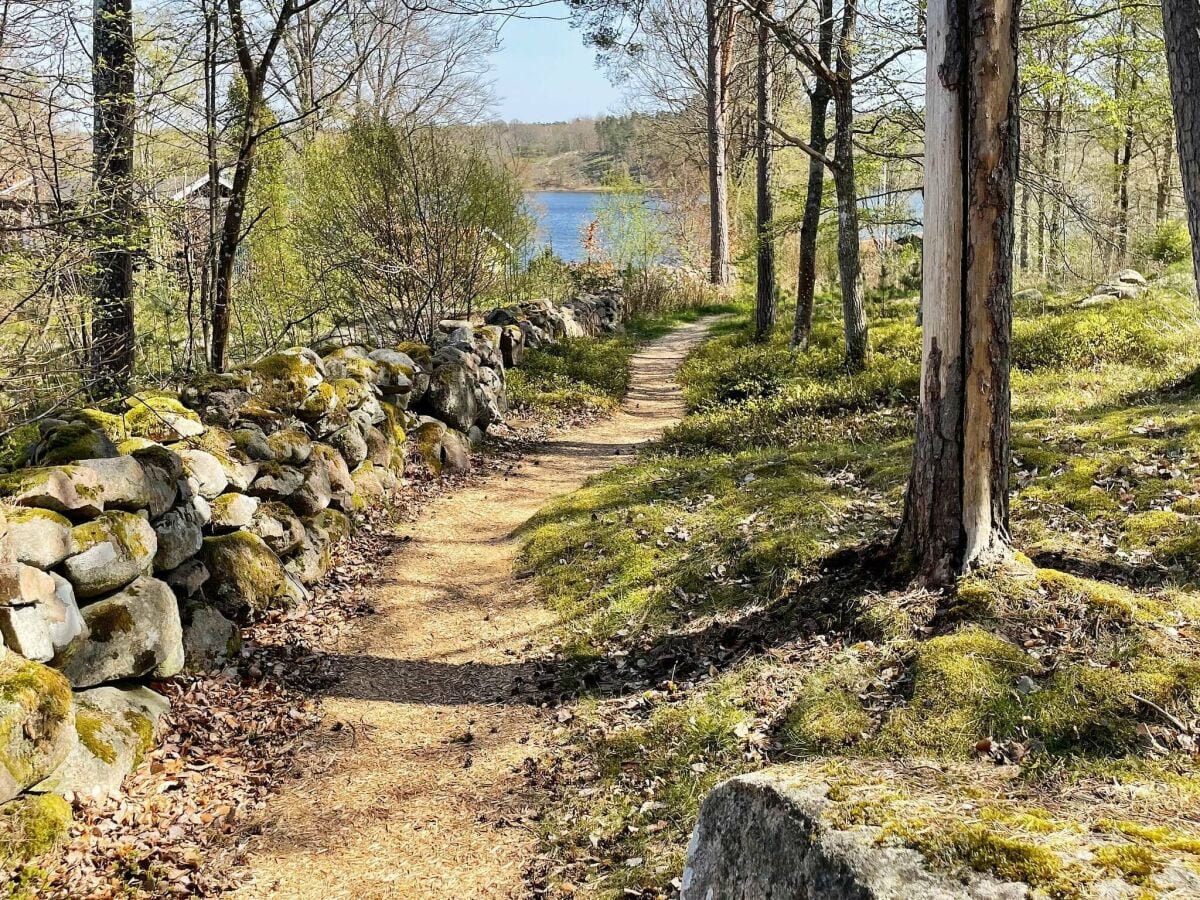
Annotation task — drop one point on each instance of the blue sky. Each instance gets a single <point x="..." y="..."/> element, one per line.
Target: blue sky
<point x="544" y="73"/>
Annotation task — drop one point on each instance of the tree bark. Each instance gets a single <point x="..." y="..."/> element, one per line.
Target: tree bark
<point x="854" y="317"/>
<point x="718" y="14"/>
<point x="956" y="508"/>
<point x="112" y="347"/>
<point x="766" y="294"/>
<point x="1123" y="193"/>
<point x="810" y="224"/>
<point x="1181" y="28"/>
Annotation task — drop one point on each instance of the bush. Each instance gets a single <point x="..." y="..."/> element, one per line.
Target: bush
<point x="1169" y="243"/>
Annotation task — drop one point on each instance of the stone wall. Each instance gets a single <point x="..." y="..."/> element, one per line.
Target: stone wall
<point x="133" y="542"/>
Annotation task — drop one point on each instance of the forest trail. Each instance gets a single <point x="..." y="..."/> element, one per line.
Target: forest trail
<point x="419" y="793"/>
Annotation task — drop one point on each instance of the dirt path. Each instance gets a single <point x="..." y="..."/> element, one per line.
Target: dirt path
<point x="420" y="793"/>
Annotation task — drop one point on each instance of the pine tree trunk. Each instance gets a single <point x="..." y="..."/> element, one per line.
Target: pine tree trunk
<point x="810" y="225"/>
<point x="717" y="12"/>
<point x="854" y="316"/>
<point x="956" y="508"/>
<point x="765" y="287"/>
<point x="112" y="346"/>
<point x="1181" y="28"/>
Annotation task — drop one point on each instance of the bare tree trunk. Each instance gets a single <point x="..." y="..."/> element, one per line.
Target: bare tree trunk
<point x="810" y="224"/>
<point x="956" y="509"/>
<point x="1123" y="193"/>
<point x="1024" y="253"/>
<point x="766" y="293"/>
<point x="717" y="13"/>
<point x="112" y="343"/>
<point x="854" y="316"/>
<point x="1162" y="197"/>
<point x="1181" y="25"/>
<point x="1043" y="201"/>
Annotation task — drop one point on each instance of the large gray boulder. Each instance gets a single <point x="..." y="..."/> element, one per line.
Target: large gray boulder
<point x="123" y="482"/>
<point x="451" y="396"/>
<point x="279" y="527"/>
<point x="109" y="552"/>
<point x="46" y="619"/>
<point x="39" y="537"/>
<point x="233" y="511"/>
<point x="206" y="470"/>
<point x="115" y="727"/>
<point x="133" y="634"/>
<point x="765" y="836"/>
<point x="246" y="579"/>
<point x="37" y="723"/>
<point x="64" y="489"/>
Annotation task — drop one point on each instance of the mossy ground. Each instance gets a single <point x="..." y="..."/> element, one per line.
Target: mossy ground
<point x="724" y="610"/>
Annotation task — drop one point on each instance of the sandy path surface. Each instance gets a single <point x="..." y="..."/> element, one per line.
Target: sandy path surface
<point x="419" y="792"/>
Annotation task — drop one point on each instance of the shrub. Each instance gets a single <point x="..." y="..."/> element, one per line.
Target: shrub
<point x="1168" y="243"/>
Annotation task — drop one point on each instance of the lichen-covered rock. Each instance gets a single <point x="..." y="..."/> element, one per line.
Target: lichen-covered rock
<point x="395" y="372"/>
<point x="180" y="535"/>
<point x="1131" y="276"/>
<point x="209" y="639"/>
<point x="368" y="488"/>
<point x="39" y="537"/>
<point x="206" y="470"/>
<point x="451" y="395"/>
<point x="115" y="728"/>
<point x="109" y="552"/>
<point x="62" y="615"/>
<point x="765" y="835"/>
<point x="350" y="444"/>
<point x="233" y="511"/>
<point x="442" y="449"/>
<point x="132" y="634"/>
<point x="25" y="632"/>
<point x="71" y="442"/>
<point x="252" y="441"/>
<point x="328" y="528"/>
<point x="123" y="482"/>
<point x="31" y="826"/>
<point x="316" y="492"/>
<point x="245" y="578"/>
<point x="309" y="562"/>
<point x="341" y="485"/>
<point x="64" y="489"/>
<point x="160" y="417"/>
<point x="291" y="447"/>
<point x="217" y="396"/>
<point x="277" y="481"/>
<point x="163" y="470"/>
<point x="279" y="527"/>
<point x="282" y="381"/>
<point x="187" y="580"/>
<point x="37" y="723"/>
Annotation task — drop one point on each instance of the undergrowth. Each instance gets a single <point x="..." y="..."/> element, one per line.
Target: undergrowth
<point x="722" y="611"/>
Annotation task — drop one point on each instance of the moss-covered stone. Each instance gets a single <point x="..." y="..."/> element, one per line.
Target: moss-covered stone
<point x="37" y="724"/>
<point x="72" y="442"/>
<point x="419" y="353"/>
<point x="160" y="417"/>
<point x="247" y="580"/>
<point x="32" y="826"/>
<point x="109" y="552"/>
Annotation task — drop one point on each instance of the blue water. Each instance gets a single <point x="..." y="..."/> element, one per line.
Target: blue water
<point x="563" y="217"/>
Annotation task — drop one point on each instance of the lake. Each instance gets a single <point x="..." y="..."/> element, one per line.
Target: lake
<point x="562" y="217"/>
